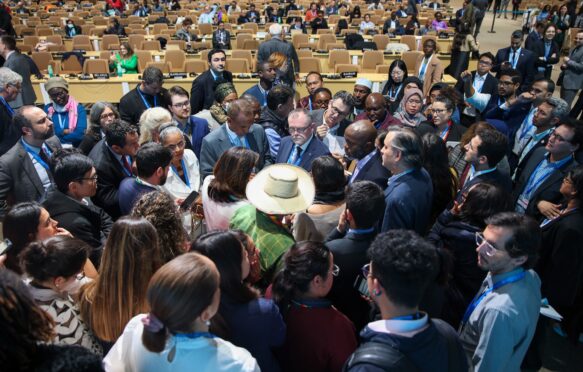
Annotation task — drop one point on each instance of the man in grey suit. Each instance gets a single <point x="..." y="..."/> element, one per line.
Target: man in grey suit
<point x="239" y="130"/>
<point x="278" y="44"/>
<point x="24" y="169"/>
<point x="573" y="71"/>
<point x="19" y="64"/>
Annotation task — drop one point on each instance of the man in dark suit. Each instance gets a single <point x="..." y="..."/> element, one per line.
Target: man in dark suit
<point x="8" y="93"/>
<point x="360" y="145"/>
<point x="409" y="194"/>
<point x="24" y="170"/>
<point x="113" y="162"/>
<point x="349" y="242"/>
<point x="149" y="93"/>
<point x="239" y="130"/>
<point x="478" y="81"/>
<point x="202" y="93"/>
<point x="535" y="36"/>
<point x="547" y="53"/>
<point x="536" y="192"/>
<point x="18" y="63"/>
<point x="301" y="147"/>
<point x="319" y="22"/>
<point x="517" y="58"/>
<point x="548" y="115"/>
<point x="222" y="37"/>
<point x="483" y="153"/>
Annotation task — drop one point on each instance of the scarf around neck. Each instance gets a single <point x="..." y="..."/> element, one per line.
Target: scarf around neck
<point x="71" y="109"/>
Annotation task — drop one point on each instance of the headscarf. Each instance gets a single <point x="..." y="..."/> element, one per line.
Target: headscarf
<point x="221" y="92"/>
<point x="403" y="116"/>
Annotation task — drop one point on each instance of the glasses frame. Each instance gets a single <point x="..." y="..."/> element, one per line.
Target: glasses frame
<point x="490" y="250"/>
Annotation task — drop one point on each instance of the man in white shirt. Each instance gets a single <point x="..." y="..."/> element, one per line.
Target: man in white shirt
<point x="208" y="15"/>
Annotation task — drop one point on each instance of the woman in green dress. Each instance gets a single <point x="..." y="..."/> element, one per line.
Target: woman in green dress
<point x="126" y="58"/>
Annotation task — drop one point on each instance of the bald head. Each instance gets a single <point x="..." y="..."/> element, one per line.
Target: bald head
<point x="360" y="138"/>
<point x="376" y="107"/>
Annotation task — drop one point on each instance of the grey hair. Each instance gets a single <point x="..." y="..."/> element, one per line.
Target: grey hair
<point x="560" y="107"/>
<point x="410" y="145"/>
<point x="150" y="122"/>
<point x="96" y="111"/>
<point x="8" y="77"/>
<point x="168" y="130"/>
<point x="346" y="98"/>
<point x="299" y="112"/>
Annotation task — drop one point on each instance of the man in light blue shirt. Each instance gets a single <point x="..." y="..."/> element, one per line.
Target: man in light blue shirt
<point x="499" y="323"/>
<point x="208" y="15"/>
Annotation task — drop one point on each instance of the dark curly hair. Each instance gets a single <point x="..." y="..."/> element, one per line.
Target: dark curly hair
<point x="159" y="208"/>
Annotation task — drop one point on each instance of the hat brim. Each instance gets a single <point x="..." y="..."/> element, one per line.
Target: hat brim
<point x="273" y="205"/>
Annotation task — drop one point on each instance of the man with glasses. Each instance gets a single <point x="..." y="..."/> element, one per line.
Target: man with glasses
<point x="409" y="193"/>
<point x="572" y="71"/>
<point x="76" y="181"/>
<point x="10" y="86"/>
<point x="332" y="122"/>
<point x="479" y="81"/>
<point x="194" y="128"/>
<point x="402" y="267"/>
<point x="499" y="323"/>
<point x="537" y="191"/>
<point x="301" y="147"/>
<point x="149" y="93"/>
<point x="23" y="66"/>
<point x="25" y="174"/>
<point x="376" y="111"/>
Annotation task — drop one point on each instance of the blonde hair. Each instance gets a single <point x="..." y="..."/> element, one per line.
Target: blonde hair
<point x="150" y="123"/>
<point x="277" y="59"/>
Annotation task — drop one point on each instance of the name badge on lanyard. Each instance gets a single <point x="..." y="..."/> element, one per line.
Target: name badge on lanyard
<point x="145" y="101"/>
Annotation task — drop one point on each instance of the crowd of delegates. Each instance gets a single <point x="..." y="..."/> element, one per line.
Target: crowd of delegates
<point x="422" y="227"/>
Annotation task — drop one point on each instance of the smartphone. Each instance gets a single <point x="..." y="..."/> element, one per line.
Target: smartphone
<point x="361" y="285"/>
<point x="187" y="203"/>
<point x="5" y="245"/>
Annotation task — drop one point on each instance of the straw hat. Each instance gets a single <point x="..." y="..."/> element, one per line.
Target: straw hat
<point x="281" y="189"/>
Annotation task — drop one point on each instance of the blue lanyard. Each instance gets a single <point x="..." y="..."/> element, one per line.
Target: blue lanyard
<point x="360" y="231"/>
<point x="186" y="180"/>
<point x="473" y="172"/>
<point x="394" y="97"/>
<point x="310" y="103"/>
<point x="527" y="125"/>
<point x="36" y="156"/>
<point x="423" y="68"/>
<point x="291" y="155"/>
<point x="445" y="133"/>
<point x="10" y="110"/>
<point x="194" y="335"/>
<point x="515" y="57"/>
<point x="511" y="279"/>
<point x="146" y="101"/>
<point x="415" y="316"/>
<point x="60" y="123"/>
<point x="540" y="175"/>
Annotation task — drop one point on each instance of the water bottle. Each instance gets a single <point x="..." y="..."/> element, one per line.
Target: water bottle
<point x="50" y="71"/>
<point x="119" y="70"/>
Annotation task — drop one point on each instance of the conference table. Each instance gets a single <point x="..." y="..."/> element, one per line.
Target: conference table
<point x="113" y="88"/>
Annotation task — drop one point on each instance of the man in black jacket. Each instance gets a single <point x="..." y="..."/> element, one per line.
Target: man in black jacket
<point x="146" y="95"/>
<point x="75" y="181"/>
<point x="365" y="204"/>
<point x="202" y="93"/>
<point x="112" y="157"/>
<point x="221" y="37"/>
<point x="10" y="85"/>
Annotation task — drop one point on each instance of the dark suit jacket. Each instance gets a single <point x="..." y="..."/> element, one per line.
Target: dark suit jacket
<point x="373" y="171"/>
<point x="532" y="39"/>
<point x="19" y="181"/>
<point x="496" y="178"/>
<point x="131" y="106"/>
<point x="227" y="44"/>
<point x="110" y="173"/>
<point x="490" y="85"/>
<point x="350" y="255"/>
<point x="560" y="268"/>
<point x="510" y="119"/>
<point x="408" y="202"/>
<point x="8" y="134"/>
<point x="455" y="133"/>
<point x="86" y="222"/>
<point x="548" y="190"/>
<point x="202" y="93"/>
<point x="539" y="51"/>
<point x="315" y="149"/>
<point x="513" y="159"/>
<point x="19" y="63"/>
<point x="525" y="65"/>
<point x="217" y="142"/>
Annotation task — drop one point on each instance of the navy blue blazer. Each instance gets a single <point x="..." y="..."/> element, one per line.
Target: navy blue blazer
<point x="496" y="178"/>
<point x="525" y="65"/>
<point x="408" y="202"/>
<point x="315" y="149"/>
<point x="510" y="119"/>
<point x="374" y="171"/>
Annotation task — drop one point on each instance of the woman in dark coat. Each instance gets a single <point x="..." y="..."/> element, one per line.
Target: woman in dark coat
<point x="455" y="232"/>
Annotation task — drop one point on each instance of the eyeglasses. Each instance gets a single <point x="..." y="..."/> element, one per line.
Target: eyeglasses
<point x="179" y="145"/>
<point x="111" y="115"/>
<point x="438" y="111"/>
<point x="181" y="104"/>
<point x="338" y="112"/>
<point x="485" y="63"/>
<point x="299" y="130"/>
<point x="92" y="179"/>
<point x="489" y="250"/>
<point x="568" y="180"/>
<point x="80" y="276"/>
<point x="335" y="270"/>
<point x="557" y="137"/>
<point x="414" y="102"/>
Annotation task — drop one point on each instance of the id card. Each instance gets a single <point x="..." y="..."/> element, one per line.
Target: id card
<point x="522" y="203"/>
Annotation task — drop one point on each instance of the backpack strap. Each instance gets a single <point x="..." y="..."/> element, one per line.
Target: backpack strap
<point x="452" y="340"/>
<point x="381" y="355"/>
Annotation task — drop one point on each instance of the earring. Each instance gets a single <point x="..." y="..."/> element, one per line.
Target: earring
<point x="208" y="323"/>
